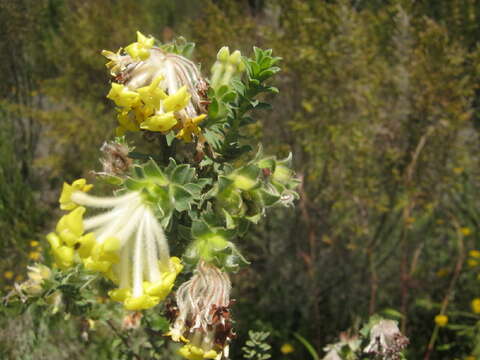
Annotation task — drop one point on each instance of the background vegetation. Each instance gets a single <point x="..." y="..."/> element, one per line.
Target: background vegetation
<point x="379" y="103"/>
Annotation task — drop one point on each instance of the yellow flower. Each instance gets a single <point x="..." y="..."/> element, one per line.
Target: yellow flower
<point x="192" y="352"/>
<point x="177" y="101"/>
<point x="64" y="256"/>
<point x="140" y="50"/>
<point x="70" y="226"/>
<point x="287" y="349"/>
<point x="441" y="320"/>
<point x="115" y="60"/>
<point x="162" y="122"/>
<point x="458" y="170"/>
<point x="153" y="292"/>
<point x="34" y="255"/>
<point x="465" y="231"/>
<point x="19" y="278"/>
<point x="162" y="288"/>
<point x="190" y="127"/>
<point x="8" y="275"/>
<point x="472" y="263"/>
<point x="141" y="302"/>
<point x="470" y="358"/>
<point x="127" y="120"/>
<point x="65" y="200"/>
<point x="474" y="254"/>
<point x="153" y="93"/>
<point x="34" y="243"/>
<point x="123" y="97"/>
<point x="476" y="305"/>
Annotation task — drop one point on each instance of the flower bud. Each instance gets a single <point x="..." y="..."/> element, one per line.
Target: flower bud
<point x="223" y="54"/>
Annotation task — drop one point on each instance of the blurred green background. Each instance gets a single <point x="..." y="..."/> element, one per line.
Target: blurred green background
<point x="379" y="103"/>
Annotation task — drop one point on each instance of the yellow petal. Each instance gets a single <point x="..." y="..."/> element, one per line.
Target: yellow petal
<point x="177" y="101"/>
<point x="119" y="294"/>
<point x="63" y="256"/>
<point x="54" y="240"/>
<point x="142" y="302"/>
<point x="211" y="354"/>
<point x="65" y="200"/>
<point x="145" y="41"/>
<point x="85" y="245"/>
<point x="162" y="123"/>
<point x="122" y="96"/>
<point x="97" y="265"/>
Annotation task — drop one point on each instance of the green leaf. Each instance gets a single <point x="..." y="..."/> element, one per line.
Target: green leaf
<point x="308" y="346"/>
<point x="268" y="198"/>
<point x="183" y="174"/>
<point x="152" y="170"/>
<point x="213" y="108"/>
<point x="238" y="86"/>
<point x="224" y="183"/>
<point x="229" y="97"/>
<point x="181" y="197"/>
<point x="170" y="137"/>
<point x="199" y="229"/>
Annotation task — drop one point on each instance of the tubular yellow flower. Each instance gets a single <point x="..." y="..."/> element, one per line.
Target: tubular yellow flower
<point x="140" y="50"/>
<point x="122" y="96"/>
<point x="192" y="352"/>
<point x="162" y="123"/>
<point x="441" y="320"/>
<point x="8" y="275"/>
<point x="70" y="226"/>
<point x="190" y="127"/>
<point x="65" y="200"/>
<point x="69" y="236"/>
<point x="153" y="94"/>
<point x="127" y="121"/>
<point x="177" y="101"/>
<point x="34" y="243"/>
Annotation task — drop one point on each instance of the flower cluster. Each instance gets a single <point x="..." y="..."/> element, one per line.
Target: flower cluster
<point x="125" y="243"/>
<point x="156" y="90"/>
<point x="202" y="314"/>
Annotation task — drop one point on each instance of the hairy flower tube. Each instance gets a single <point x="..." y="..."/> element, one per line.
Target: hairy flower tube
<point x="126" y="243"/>
<point x="156" y="90"/>
<point x="202" y="316"/>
